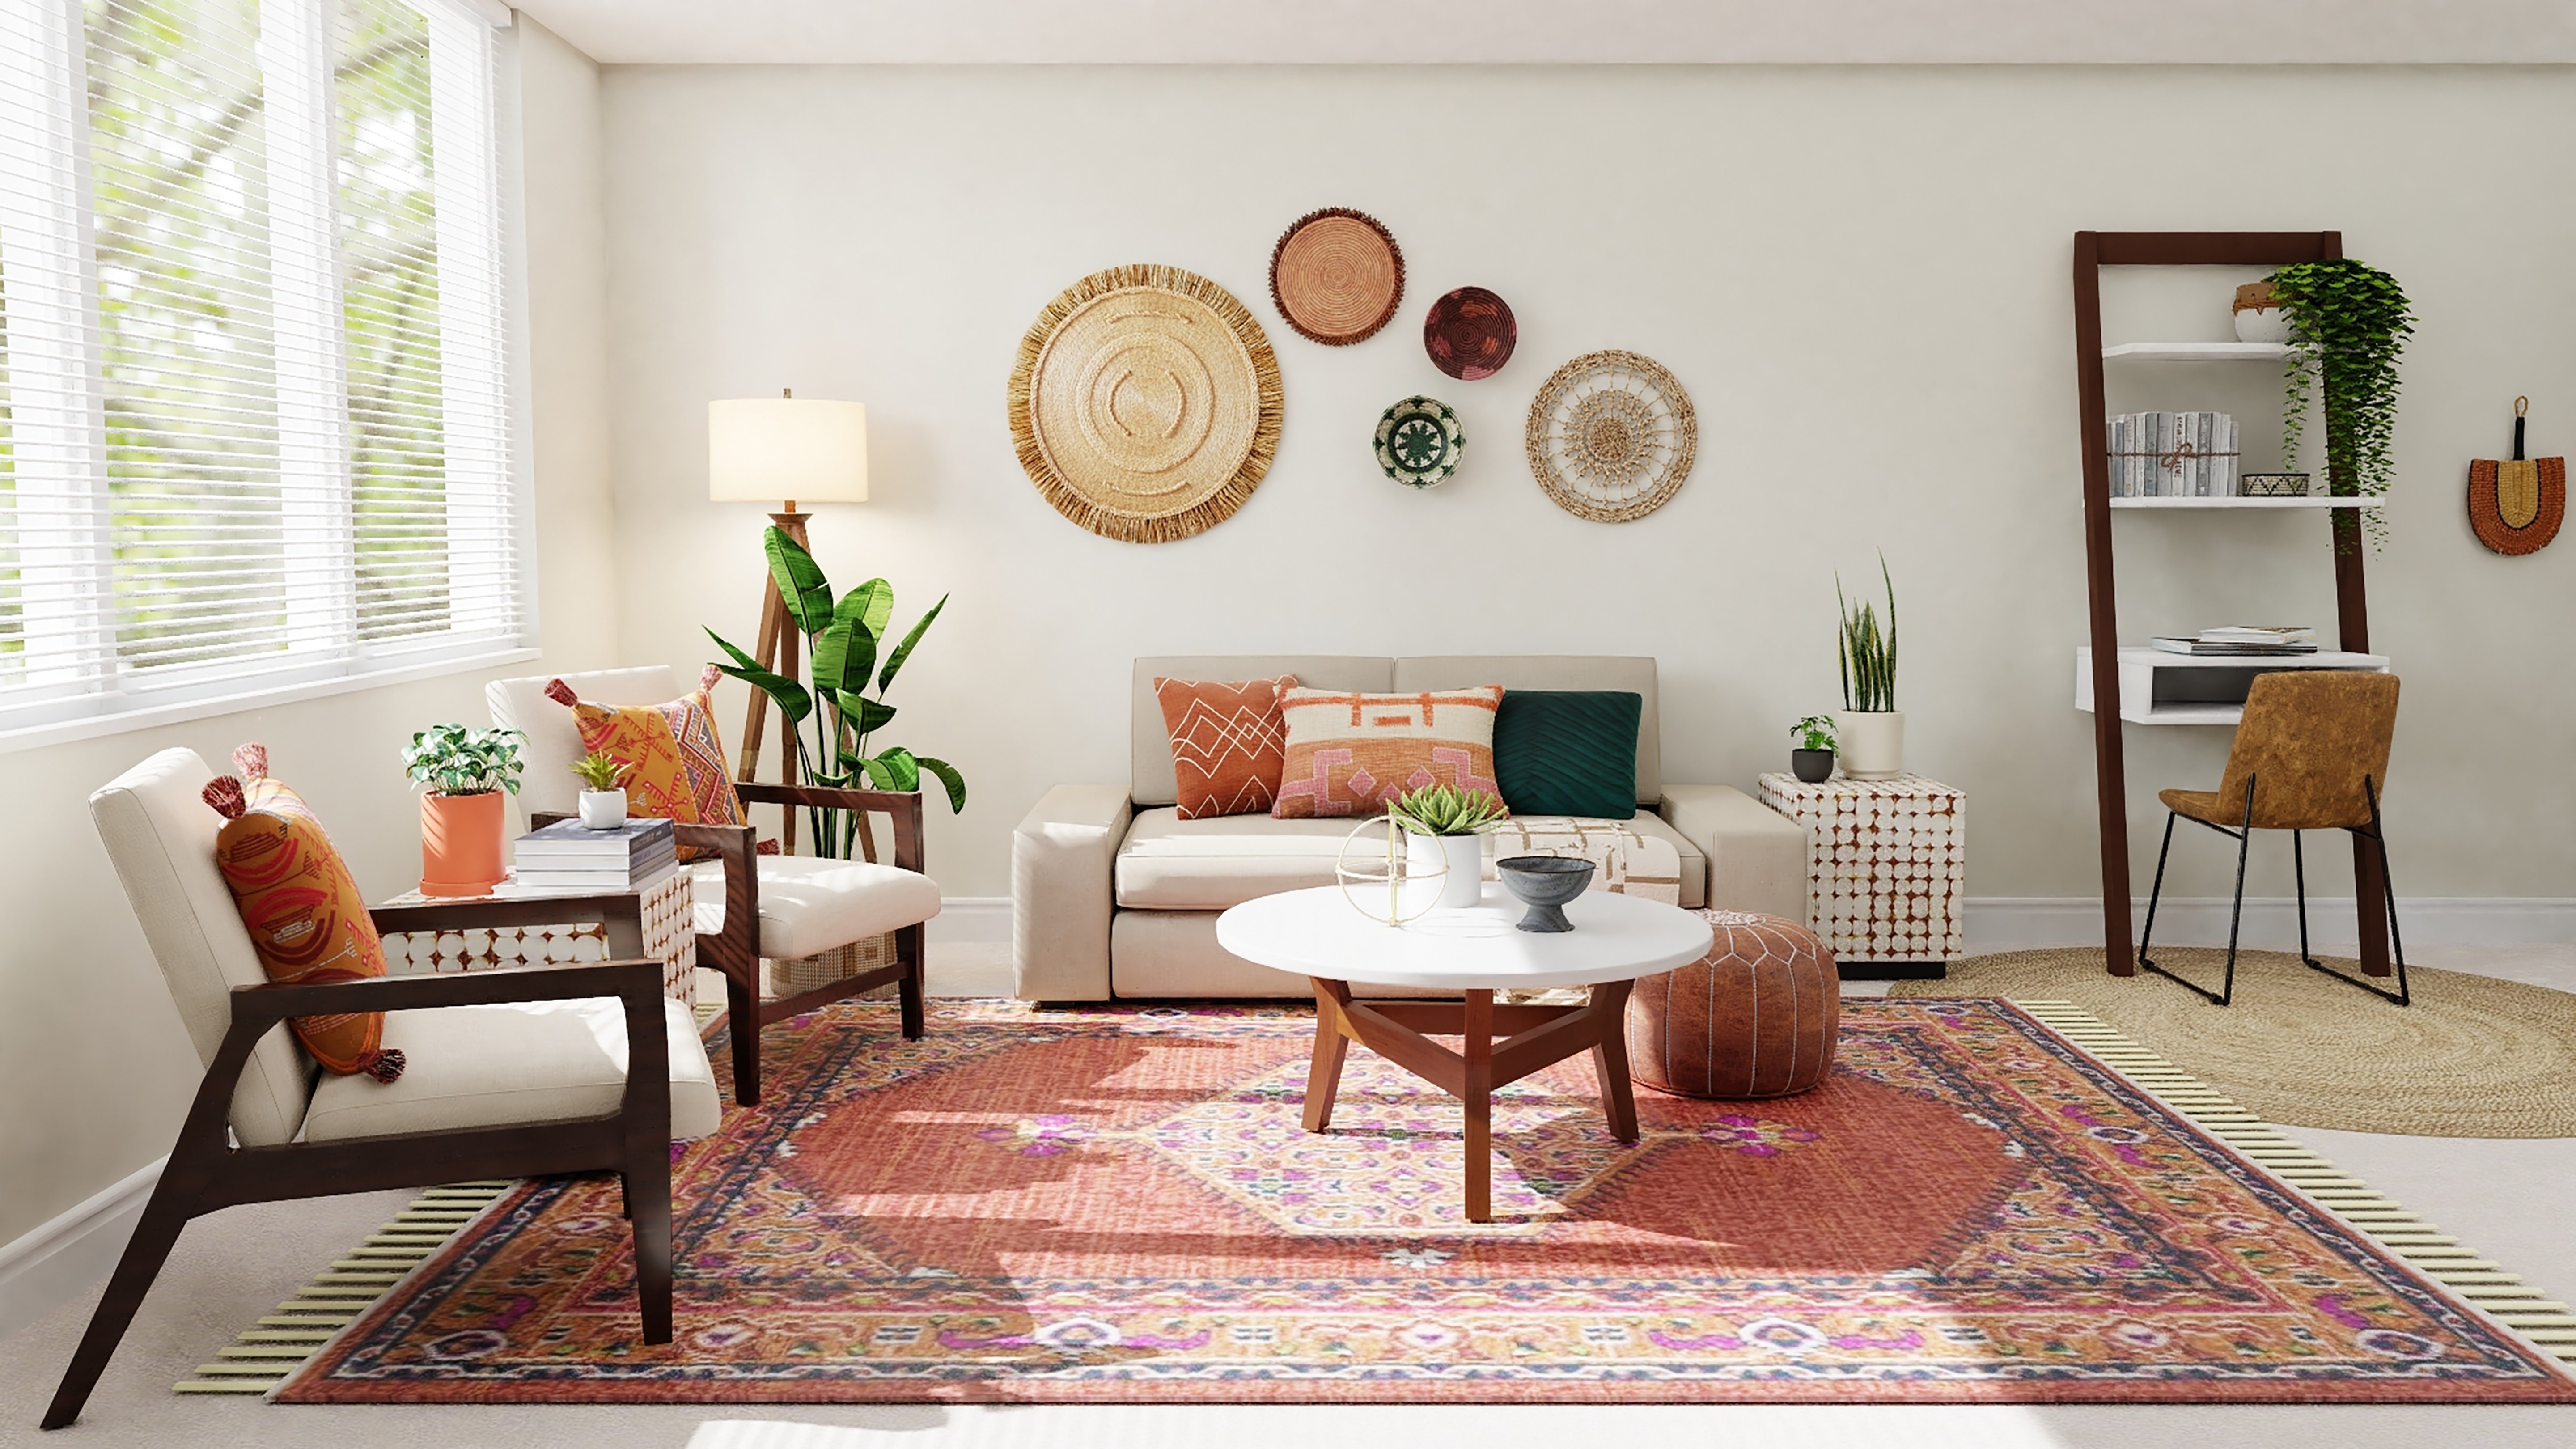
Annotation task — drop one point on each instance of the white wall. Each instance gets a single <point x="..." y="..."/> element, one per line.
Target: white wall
<point x="1861" y="276"/>
<point x="95" y="1071"/>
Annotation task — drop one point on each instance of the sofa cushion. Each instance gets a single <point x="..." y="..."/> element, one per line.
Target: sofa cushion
<point x="1228" y="739"/>
<point x="1351" y="754"/>
<point x="1628" y="858"/>
<point x="1170" y="864"/>
<point x="493" y="1066"/>
<point x="809" y="904"/>
<point x="1151" y="780"/>
<point x="1691" y="860"/>
<point x="1633" y="673"/>
<point x="1568" y="751"/>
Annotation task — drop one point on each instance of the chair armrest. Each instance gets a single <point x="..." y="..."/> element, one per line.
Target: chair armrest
<point x="1063" y="858"/>
<point x="621" y="912"/>
<point x="735" y="949"/>
<point x="540" y="819"/>
<point x="1757" y="858"/>
<point x="903" y="805"/>
<point x="260" y="1007"/>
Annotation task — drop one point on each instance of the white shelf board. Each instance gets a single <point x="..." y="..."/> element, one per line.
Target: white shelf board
<point x="2138" y="703"/>
<point x="2314" y="500"/>
<point x="2196" y="352"/>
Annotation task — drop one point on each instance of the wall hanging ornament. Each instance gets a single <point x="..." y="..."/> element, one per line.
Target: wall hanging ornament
<point x="2516" y="504"/>
<point x="1145" y="403"/>
<point x="1336" y="276"/>
<point x="1469" y="334"/>
<point x="1419" y="442"/>
<point x="1611" y="436"/>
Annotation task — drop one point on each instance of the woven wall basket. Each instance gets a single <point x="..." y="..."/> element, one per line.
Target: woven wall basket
<point x="1336" y="276"/>
<point x="1145" y="403"/>
<point x="1611" y="436"/>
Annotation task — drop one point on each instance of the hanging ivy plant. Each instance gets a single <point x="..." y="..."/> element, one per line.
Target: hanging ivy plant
<point x="2348" y="325"/>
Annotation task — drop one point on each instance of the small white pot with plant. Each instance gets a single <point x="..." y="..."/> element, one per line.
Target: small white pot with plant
<point x="1870" y="731"/>
<point x="1448" y="825"/>
<point x="603" y="798"/>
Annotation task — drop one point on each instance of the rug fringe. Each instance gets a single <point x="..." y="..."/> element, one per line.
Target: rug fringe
<point x="2461" y="1271"/>
<point x="268" y="1353"/>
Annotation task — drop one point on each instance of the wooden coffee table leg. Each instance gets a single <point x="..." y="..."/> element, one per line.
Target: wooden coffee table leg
<point x="1610" y="1058"/>
<point x="1332" y="1042"/>
<point x="1478" y="1095"/>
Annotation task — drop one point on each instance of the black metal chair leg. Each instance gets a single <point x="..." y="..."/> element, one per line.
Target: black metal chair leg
<point x="742" y="1006"/>
<point x="2404" y="995"/>
<point x="2236" y="913"/>
<point x="2299" y="875"/>
<point x="2156" y="893"/>
<point x="2244" y="841"/>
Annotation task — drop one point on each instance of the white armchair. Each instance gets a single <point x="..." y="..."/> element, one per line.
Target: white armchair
<point x="512" y="1073"/>
<point x="750" y="907"/>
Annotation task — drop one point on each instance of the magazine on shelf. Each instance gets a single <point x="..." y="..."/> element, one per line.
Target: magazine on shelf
<point x="569" y="840"/>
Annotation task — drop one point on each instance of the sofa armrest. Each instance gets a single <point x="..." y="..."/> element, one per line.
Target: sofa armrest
<point x="1062" y="859"/>
<point x="1757" y="858"/>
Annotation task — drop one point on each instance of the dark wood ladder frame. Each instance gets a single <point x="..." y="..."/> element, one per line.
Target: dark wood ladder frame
<point x="2095" y="250"/>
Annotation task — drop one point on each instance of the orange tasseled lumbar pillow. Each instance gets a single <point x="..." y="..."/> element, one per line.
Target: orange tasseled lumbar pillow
<point x="306" y="919"/>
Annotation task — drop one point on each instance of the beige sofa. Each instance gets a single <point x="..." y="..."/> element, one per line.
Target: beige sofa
<point x="1114" y="895"/>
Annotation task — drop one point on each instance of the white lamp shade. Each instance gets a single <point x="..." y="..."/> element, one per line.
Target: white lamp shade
<point x="769" y="449"/>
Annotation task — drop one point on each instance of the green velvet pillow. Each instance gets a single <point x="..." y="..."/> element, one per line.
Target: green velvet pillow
<point x="1568" y="752"/>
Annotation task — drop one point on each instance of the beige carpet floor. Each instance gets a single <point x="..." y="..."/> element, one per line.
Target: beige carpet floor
<point x="2474" y="1056"/>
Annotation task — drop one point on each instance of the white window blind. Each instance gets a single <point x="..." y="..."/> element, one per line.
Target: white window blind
<point x="253" y="402"/>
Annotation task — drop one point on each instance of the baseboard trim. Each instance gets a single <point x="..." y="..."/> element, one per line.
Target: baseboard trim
<point x="2009" y="923"/>
<point x="972" y="918"/>
<point x="57" y="1260"/>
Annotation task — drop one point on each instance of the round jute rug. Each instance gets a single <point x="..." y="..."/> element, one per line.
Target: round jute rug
<point x="2474" y="1056"/>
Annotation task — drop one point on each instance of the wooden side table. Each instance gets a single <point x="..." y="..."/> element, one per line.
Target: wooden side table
<point x="665" y="919"/>
<point x="1887" y="870"/>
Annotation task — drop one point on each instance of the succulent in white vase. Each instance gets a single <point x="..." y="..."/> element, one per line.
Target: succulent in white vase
<point x="603" y="799"/>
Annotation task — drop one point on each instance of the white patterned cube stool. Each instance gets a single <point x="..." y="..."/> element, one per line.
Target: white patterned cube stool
<point x="1887" y="869"/>
<point x="1624" y="861"/>
<point x="670" y="937"/>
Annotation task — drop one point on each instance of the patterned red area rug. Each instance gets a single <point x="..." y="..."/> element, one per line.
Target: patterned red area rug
<point x="1119" y="1205"/>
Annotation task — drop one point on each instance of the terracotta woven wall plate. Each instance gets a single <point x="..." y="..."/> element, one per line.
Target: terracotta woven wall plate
<point x="1336" y="276"/>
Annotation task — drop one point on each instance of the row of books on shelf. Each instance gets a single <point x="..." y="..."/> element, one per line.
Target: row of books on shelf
<point x="569" y="856"/>
<point x="2173" y="455"/>
<point x="2241" y="640"/>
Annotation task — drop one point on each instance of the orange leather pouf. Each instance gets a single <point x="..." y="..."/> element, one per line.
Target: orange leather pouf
<point x="1756" y="1017"/>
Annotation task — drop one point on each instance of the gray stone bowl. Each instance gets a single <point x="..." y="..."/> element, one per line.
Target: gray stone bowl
<point x="1544" y="883"/>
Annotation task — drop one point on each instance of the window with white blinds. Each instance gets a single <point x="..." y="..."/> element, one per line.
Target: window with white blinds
<point x="253" y="405"/>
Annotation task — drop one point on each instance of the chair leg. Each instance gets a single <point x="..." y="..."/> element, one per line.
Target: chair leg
<point x="158" y="1231"/>
<point x="2156" y="894"/>
<point x="2244" y="840"/>
<point x="648" y="1211"/>
<point x="2299" y="877"/>
<point x="742" y="1005"/>
<point x="2404" y="995"/>
<point x="911" y="944"/>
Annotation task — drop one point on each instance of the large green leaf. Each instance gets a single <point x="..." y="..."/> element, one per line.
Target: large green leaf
<point x="865" y="715"/>
<point x="876" y="605"/>
<point x="793" y="701"/>
<point x="846" y="649"/>
<point x="949" y="777"/>
<point x="903" y="651"/>
<point x="894" y="769"/>
<point x="800" y="581"/>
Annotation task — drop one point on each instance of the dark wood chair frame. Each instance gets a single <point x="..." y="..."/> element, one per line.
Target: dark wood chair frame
<point x="207" y="1172"/>
<point x="2243" y="834"/>
<point x="735" y="950"/>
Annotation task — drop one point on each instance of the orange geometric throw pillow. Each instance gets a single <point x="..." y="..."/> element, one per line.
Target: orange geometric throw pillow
<point x="639" y="737"/>
<point x="1228" y="743"/>
<point x="1352" y="754"/>
<point x="692" y="718"/>
<point x="306" y="919"/>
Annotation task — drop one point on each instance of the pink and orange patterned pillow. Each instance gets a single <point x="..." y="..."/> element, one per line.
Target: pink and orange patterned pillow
<point x="306" y="919"/>
<point x="1229" y="741"/>
<point x="674" y="760"/>
<point x="1352" y="754"/>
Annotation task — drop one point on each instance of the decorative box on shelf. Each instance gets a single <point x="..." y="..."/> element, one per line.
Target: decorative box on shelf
<point x="670" y="937"/>
<point x="1887" y="869"/>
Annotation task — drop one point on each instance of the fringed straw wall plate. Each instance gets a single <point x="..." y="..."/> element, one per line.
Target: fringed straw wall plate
<point x="1145" y="403"/>
<point x="1336" y="276"/>
<point x="1611" y="436"/>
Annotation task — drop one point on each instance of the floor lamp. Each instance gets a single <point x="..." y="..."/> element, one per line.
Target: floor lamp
<point x="763" y="449"/>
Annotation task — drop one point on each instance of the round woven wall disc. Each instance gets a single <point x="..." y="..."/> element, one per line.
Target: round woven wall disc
<point x="1470" y="333"/>
<point x="1145" y="403"/>
<point x="1336" y="276"/>
<point x="1611" y="436"/>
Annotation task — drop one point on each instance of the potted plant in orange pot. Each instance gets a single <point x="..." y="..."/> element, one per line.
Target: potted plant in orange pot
<point x="462" y="825"/>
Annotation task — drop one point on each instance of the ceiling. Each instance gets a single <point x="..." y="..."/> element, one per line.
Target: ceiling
<point x="1544" y="31"/>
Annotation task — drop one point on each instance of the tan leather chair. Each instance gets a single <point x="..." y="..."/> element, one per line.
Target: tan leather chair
<point x="2310" y="754"/>
<point x="552" y="1069"/>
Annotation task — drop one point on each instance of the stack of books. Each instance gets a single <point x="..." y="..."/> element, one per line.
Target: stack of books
<point x="566" y="856"/>
<point x="2244" y="639"/>
<point x="2173" y="455"/>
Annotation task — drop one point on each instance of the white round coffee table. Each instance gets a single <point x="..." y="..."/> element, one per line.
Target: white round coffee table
<point x="1616" y="938"/>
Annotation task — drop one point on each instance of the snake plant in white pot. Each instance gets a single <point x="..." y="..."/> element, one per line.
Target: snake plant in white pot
<point x="1869" y="732"/>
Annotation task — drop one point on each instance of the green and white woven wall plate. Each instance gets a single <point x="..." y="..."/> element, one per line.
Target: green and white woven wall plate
<point x="1419" y="442"/>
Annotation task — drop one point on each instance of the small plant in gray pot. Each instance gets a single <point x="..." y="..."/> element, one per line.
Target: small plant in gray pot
<point x="1813" y="759"/>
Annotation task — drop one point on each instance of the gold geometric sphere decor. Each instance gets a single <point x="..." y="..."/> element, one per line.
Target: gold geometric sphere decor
<point x="1612" y="436"/>
<point x="1145" y="403"/>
